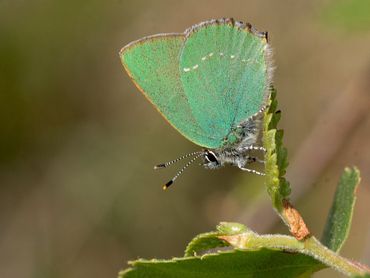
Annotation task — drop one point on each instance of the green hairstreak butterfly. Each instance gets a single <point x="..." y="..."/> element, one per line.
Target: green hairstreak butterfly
<point x="211" y="83"/>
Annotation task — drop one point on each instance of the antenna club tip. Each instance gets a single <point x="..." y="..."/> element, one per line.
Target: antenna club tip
<point x="165" y="186"/>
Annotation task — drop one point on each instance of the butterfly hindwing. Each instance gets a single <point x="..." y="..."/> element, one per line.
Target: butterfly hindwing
<point x="224" y="73"/>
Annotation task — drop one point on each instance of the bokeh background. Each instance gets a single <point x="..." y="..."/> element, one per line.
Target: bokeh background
<point x="78" y="196"/>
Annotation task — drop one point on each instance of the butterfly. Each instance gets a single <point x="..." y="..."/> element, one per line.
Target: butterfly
<point x="211" y="83"/>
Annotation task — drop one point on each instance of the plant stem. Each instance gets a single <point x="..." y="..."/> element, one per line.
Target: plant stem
<point x="310" y="246"/>
<point x="314" y="248"/>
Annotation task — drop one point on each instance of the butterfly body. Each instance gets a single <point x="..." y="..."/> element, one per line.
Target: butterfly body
<point x="237" y="152"/>
<point x="211" y="83"/>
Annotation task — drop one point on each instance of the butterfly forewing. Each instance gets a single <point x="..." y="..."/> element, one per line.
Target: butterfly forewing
<point x="153" y="65"/>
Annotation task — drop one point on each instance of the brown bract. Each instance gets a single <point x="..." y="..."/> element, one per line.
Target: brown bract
<point x="295" y="221"/>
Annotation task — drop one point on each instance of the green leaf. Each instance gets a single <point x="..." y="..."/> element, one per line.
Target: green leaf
<point x="276" y="157"/>
<point x="254" y="263"/>
<point x="340" y="216"/>
<point x="207" y="241"/>
<point x="267" y="256"/>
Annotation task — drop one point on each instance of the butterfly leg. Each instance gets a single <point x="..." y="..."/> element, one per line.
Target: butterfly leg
<point x="254" y="148"/>
<point x="258" y="114"/>
<point x="252" y="171"/>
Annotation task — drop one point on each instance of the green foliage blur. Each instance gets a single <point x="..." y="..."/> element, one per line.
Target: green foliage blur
<point x="78" y="196"/>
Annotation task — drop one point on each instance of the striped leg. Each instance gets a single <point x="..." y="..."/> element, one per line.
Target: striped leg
<point x="252" y="171"/>
<point x="254" y="148"/>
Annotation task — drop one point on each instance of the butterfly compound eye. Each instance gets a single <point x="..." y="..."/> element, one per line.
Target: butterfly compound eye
<point x="211" y="157"/>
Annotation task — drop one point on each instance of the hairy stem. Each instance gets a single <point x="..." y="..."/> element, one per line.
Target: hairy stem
<point x="310" y="246"/>
<point x="314" y="248"/>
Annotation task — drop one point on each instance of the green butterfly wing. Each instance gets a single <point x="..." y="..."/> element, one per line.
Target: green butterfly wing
<point x="224" y="72"/>
<point x="153" y="65"/>
<point x="204" y="82"/>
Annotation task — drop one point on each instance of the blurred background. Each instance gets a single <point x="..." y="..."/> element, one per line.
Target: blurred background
<point x="78" y="196"/>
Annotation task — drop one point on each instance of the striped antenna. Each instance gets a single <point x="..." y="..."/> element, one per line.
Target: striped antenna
<point x="165" y="165"/>
<point x="165" y="186"/>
